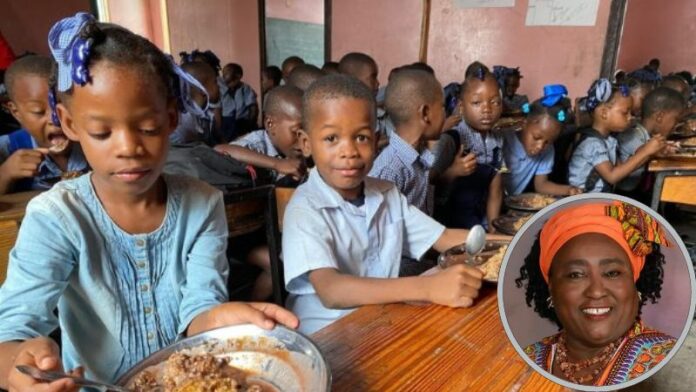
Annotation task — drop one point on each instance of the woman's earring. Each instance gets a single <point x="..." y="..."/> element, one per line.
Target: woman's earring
<point x="640" y="297"/>
<point x="549" y="302"/>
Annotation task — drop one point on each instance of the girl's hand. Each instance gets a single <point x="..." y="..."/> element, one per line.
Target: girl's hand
<point x="456" y="286"/>
<point x="262" y="314"/>
<point x="42" y="353"/>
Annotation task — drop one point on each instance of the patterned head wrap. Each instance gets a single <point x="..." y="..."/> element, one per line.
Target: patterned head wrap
<point x="629" y="226"/>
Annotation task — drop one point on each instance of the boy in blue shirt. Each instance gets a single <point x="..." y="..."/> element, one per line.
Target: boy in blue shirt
<point x="239" y="107"/>
<point x="345" y="233"/>
<point x="661" y="110"/>
<point x="39" y="154"/>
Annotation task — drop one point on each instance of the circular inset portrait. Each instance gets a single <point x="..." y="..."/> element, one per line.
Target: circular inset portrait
<point x="597" y="292"/>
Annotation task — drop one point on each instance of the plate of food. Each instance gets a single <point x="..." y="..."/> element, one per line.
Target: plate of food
<point x="488" y="261"/>
<point x="688" y="142"/>
<point x="684" y="152"/>
<point x="240" y="358"/>
<point x="529" y="201"/>
<point x="512" y="222"/>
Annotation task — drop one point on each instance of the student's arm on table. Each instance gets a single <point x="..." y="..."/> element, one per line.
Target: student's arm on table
<point x="290" y="166"/>
<point x="39" y="269"/>
<point x="495" y="200"/>
<point x="542" y="184"/>
<point x="204" y="306"/>
<point x="615" y="173"/>
<point x="456" y="286"/>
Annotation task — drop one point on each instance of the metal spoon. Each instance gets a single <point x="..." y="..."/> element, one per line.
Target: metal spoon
<point x="42" y="375"/>
<point x="475" y="242"/>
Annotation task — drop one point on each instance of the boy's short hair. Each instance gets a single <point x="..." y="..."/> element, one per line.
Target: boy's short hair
<point x="236" y="69"/>
<point x="330" y="67"/>
<point x="662" y="99"/>
<point x="304" y="75"/>
<point x="29" y="65"/>
<point x="274" y="73"/>
<point x="351" y="63"/>
<point x="407" y="91"/>
<point x="274" y="101"/>
<point x="292" y="60"/>
<point x="333" y="87"/>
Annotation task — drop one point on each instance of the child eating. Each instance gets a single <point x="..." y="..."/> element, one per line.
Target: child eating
<point x="344" y="233"/>
<point x="132" y="259"/>
<point x="529" y="153"/>
<point x="662" y="108"/>
<point x="594" y="166"/>
<point x="39" y="154"/>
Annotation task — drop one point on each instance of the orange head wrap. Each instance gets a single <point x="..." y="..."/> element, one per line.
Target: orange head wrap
<point x="631" y="227"/>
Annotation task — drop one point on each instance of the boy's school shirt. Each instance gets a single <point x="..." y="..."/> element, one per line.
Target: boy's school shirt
<point x="322" y="230"/>
<point x="236" y="104"/>
<point x="488" y="150"/>
<point x="587" y="155"/>
<point x="259" y="141"/>
<point x="409" y="170"/>
<point x="521" y="167"/>
<point x="120" y="296"/>
<point x="49" y="171"/>
<point x="629" y="142"/>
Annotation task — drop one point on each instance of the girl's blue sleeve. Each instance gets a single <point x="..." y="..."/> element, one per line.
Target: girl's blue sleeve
<point x="207" y="267"/>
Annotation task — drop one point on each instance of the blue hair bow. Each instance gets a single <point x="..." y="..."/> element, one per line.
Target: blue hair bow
<point x="599" y="92"/>
<point x="553" y="93"/>
<point x="185" y="81"/>
<point x="561" y="116"/>
<point x="526" y="108"/>
<point x="70" y="51"/>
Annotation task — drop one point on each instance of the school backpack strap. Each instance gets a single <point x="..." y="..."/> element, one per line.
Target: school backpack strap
<point x="20" y="140"/>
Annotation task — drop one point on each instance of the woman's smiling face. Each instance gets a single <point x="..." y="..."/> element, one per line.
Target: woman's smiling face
<point x="593" y="290"/>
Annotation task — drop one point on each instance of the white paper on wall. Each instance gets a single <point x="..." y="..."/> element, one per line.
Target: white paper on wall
<point x="562" y="12"/>
<point x="483" y="3"/>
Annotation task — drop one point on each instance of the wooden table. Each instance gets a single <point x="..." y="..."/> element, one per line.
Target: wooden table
<point x="13" y="205"/>
<point x="675" y="181"/>
<point x="426" y="348"/>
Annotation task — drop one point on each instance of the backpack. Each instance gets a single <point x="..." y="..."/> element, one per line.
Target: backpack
<point x="221" y="171"/>
<point x="593" y="177"/>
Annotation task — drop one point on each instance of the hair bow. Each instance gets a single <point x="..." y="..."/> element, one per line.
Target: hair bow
<point x="185" y="81"/>
<point x="553" y="93"/>
<point x="71" y="51"/>
<point x="599" y="92"/>
<point x="561" y="116"/>
<point x="526" y="108"/>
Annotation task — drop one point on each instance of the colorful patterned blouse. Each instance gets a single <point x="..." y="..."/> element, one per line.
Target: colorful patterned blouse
<point x="639" y="351"/>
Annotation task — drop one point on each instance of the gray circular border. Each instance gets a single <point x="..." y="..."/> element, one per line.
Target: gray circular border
<point x="562" y="204"/>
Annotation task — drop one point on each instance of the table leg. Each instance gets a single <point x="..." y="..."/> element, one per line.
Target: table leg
<point x="657" y="189"/>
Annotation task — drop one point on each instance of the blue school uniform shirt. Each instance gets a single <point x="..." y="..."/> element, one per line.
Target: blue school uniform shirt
<point x="238" y="103"/>
<point x="322" y="230"/>
<point x="521" y="167"/>
<point x="629" y="142"/>
<point x="259" y="141"/>
<point x="408" y="169"/>
<point x="488" y="150"/>
<point x="589" y="153"/>
<point x="120" y="296"/>
<point x="48" y="171"/>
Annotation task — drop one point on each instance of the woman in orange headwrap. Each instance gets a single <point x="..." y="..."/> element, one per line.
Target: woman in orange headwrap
<point x="591" y="270"/>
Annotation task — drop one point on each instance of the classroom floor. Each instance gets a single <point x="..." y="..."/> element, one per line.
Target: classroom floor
<point x="678" y="374"/>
